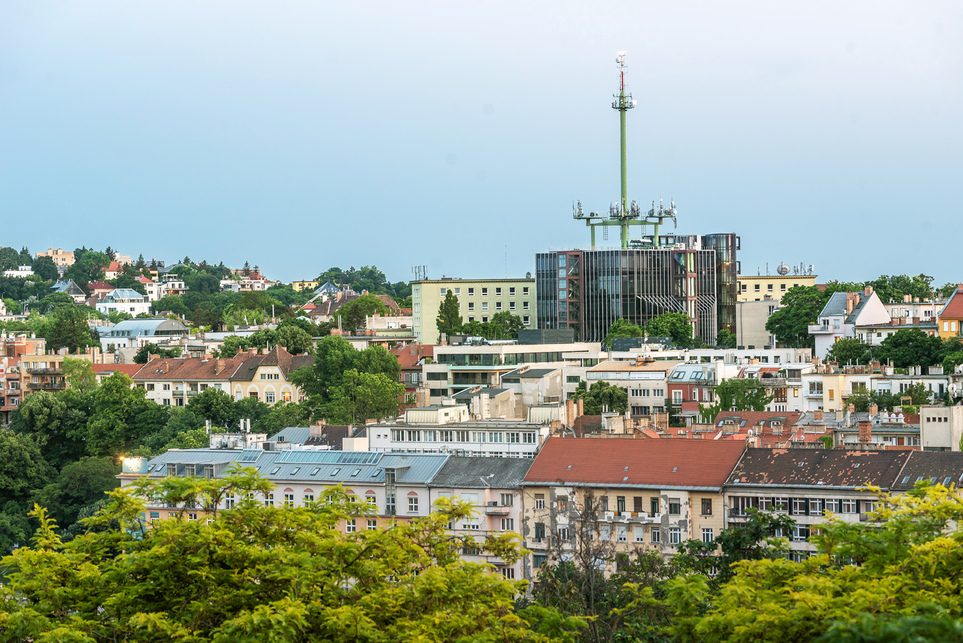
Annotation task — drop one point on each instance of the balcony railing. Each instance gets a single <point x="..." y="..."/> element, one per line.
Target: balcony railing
<point x="822" y="329"/>
<point x="46" y="386"/>
<point x="45" y="371"/>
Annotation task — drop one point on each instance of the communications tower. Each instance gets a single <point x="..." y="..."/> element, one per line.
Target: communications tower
<point x="625" y="214"/>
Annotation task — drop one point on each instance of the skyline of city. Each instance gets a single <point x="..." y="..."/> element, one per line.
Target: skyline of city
<point x="337" y="136"/>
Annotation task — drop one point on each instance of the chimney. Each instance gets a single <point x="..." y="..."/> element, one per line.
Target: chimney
<point x="868" y="290"/>
<point x="959" y="288"/>
<point x="865" y="432"/>
<point x="570" y="412"/>
<point x="818" y="415"/>
<point x="219" y="366"/>
<point x="849" y="305"/>
<point x="873" y="410"/>
<point x="581" y="408"/>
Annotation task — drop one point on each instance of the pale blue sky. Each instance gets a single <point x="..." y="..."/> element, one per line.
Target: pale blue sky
<point x="301" y="135"/>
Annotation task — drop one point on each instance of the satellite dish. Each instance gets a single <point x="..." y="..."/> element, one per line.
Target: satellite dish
<point x="783" y="269"/>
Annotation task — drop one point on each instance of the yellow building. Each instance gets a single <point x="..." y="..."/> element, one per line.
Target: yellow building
<point x="762" y="287"/>
<point x="950" y="319"/>
<point x="59" y="257"/>
<point x="478" y="300"/>
<point x="304" y="285"/>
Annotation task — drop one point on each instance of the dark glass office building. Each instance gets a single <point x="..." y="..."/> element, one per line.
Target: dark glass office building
<point x="588" y="290"/>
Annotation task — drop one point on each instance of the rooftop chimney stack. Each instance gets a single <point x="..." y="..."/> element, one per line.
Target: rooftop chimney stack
<point x="865" y="432"/>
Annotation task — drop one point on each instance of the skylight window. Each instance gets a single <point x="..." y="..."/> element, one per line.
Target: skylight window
<point x="295" y="470"/>
<point x="356" y="472"/>
<point x="275" y="470"/>
<point x="315" y="472"/>
<point x="336" y="471"/>
<point x="906" y="479"/>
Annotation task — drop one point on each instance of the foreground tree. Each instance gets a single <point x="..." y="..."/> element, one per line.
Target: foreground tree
<point x="258" y="573"/>
<point x="449" y="318"/>
<point x="602" y="397"/>
<point x="676" y="326"/>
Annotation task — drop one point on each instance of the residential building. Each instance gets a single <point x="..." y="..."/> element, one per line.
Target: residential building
<point x="267" y="377"/>
<point x="623" y="495"/>
<point x="124" y="300"/>
<point x="61" y="258"/>
<point x="450" y="429"/>
<point x="809" y="483"/>
<point x="42" y="373"/>
<point x="103" y="371"/>
<point x="493" y="487"/>
<point x="589" y="290"/>
<point x="478" y="300"/>
<point x="174" y="381"/>
<point x="760" y="287"/>
<point x="412" y="358"/>
<point x="645" y="381"/>
<point x="71" y="289"/>
<point x="298" y="286"/>
<point x="22" y="272"/>
<point x="941" y="427"/>
<point x="842" y="314"/>
<point x="134" y="333"/>
<point x="751" y="318"/>
<point x="113" y="270"/>
<point x="11" y="394"/>
<point x="950" y="319"/>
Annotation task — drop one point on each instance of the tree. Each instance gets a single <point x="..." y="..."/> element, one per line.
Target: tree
<point x="602" y="397"/>
<point x="258" y="573"/>
<point x="798" y="308"/>
<point x="295" y="340"/>
<point x="449" y="317"/>
<point x="911" y="347"/>
<point x="79" y="374"/>
<point x="742" y="395"/>
<point x="121" y="417"/>
<point x="507" y="325"/>
<point x="9" y="259"/>
<point x="70" y="330"/>
<point x="58" y="423"/>
<point x="214" y="405"/>
<point x="90" y="266"/>
<point x="78" y="485"/>
<point x="850" y="351"/>
<point x="726" y="339"/>
<point x="896" y="573"/>
<point x="334" y="356"/>
<point x="676" y="326"/>
<point x="364" y="396"/>
<point x="149" y="351"/>
<point x="952" y="361"/>
<point x="45" y="268"/>
<point x="355" y="312"/>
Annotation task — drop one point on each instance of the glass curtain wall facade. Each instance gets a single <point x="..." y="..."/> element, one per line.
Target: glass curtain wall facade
<point x="588" y="290"/>
<point x="727" y="276"/>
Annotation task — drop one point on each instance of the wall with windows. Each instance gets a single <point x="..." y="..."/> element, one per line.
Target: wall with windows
<point x="478" y="300"/>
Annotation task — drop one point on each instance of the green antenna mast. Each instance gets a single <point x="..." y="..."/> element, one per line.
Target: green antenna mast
<point x="624" y="214"/>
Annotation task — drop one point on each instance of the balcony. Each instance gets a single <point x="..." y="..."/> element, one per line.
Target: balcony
<point x="629" y="517"/>
<point x="177" y="392"/>
<point x="817" y="393"/>
<point x="823" y="329"/>
<point x="46" y="386"/>
<point x="497" y="510"/>
<point x="45" y="371"/>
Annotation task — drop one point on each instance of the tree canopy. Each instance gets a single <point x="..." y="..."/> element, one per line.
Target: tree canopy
<point x="602" y="397"/>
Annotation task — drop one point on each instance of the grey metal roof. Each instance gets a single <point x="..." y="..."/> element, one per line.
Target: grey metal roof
<point x="415" y="468"/>
<point x="124" y="293"/>
<point x="146" y="327"/>
<point x="491" y="392"/>
<point x="837" y="306"/>
<point x="292" y="434"/>
<point x="530" y="374"/>
<point x="482" y="472"/>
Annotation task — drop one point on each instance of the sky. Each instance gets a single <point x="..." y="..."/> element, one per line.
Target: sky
<point x="456" y="135"/>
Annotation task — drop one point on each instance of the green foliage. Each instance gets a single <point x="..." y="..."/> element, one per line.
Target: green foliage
<point x="148" y="352"/>
<point x="726" y="339"/>
<point x="742" y="395"/>
<point x="602" y="397"/>
<point x="621" y="328"/>
<point x="295" y="340"/>
<point x="45" y="268"/>
<point x="799" y="307"/>
<point x="69" y="329"/>
<point x="78" y="485"/>
<point x="353" y="314"/>
<point x="88" y="266"/>
<point x="121" y="417"/>
<point x="952" y="361"/>
<point x="850" y="351"/>
<point x="365" y="278"/>
<point x="9" y="259"/>
<point x="79" y="374"/>
<point x="675" y="326"/>
<point x="911" y="347"/>
<point x="895" y="287"/>
<point x="335" y="356"/>
<point x="260" y="573"/>
<point x="503" y="325"/>
<point x="449" y="318"/>
<point x="364" y="396"/>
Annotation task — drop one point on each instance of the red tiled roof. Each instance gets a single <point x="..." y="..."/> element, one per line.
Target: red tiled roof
<point x="658" y="463"/>
<point x="99" y="285"/>
<point x="954" y="307"/>
<point x="409" y="356"/>
<point x="113" y="267"/>
<point x="129" y="370"/>
<point x="190" y="368"/>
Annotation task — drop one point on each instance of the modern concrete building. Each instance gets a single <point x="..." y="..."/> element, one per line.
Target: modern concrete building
<point x="478" y="300"/>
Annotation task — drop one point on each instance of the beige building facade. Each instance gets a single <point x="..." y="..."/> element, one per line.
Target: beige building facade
<point x="478" y="300"/>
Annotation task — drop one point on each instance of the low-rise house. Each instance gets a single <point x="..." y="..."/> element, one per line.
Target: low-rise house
<point x="267" y="377"/>
<point x="645" y="381"/>
<point x="71" y="289"/>
<point x="941" y="427"/>
<point x="623" y="495"/>
<point x="134" y="333"/>
<point x="22" y="272"/>
<point x="61" y="258"/>
<point x="174" y="381"/>
<point x="124" y="300"/>
<point x="950" y="319"/>
<point x="842" y="314"/>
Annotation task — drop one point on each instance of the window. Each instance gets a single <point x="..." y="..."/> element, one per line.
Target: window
<point x="675" y="507"/>
<point x="508" y="524"/>
<point x="847" y="506"/>
<point x="269" y="397"/>
<point x="507" y="572"/>
<point x="539" y="531"/>
<point x="621" y="533"/>
<point x="800" y="533"/>
<point x="605" y="533"/>
<point x="484" y="305"/>
<point x="269" y="500"/>
<point x="412" y="504"/>
<point x="639" y="534"/>
<point x="498" y="292"/>
<point x="372" y="524"/>
<point x="656" y="535"/>
<point x="815" y="507"/>
<point x="526" y="320"/>
<point x="350" y="526"/>
<point x="562" y="503"/>
<point x="498" y="305"/>
<point x="799" y="506"/>
<point x="443" y="291"/>
<point x="654" y="506"/>
<point x="707" y="508"/>
<point x="539" y="500"/>
<point x="484" y="292"/>
<point x="563" y="532"/>
<point x="229" y="501"/>
<point x="508" y="499"/>
<point x="457" y="292"/>
<point x="192" y="516"/>
<point x="308" y="497"/>
<point x="620" y="505"/>
<point x="525" y="305"/>
<point x="471" y="306"/>
<point x="675" y="535"/>
<point x="471" y="292"/>
<point x="707" y="535"/>
<point x="511" y="305"/>
<point x="289" y="499"/>
<point x="154" y="515"/>
<point x="539" y="559"/>
<point x="150" y="387"/>
<point x="511" y="291"/>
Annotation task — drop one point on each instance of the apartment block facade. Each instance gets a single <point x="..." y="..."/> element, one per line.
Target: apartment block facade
<point x="478" y="300"/>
